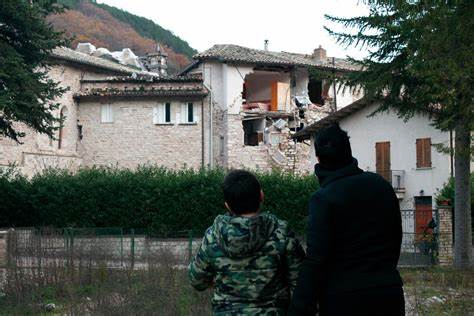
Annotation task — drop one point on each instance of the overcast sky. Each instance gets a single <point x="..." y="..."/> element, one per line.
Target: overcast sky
<point x="293" y="26"/>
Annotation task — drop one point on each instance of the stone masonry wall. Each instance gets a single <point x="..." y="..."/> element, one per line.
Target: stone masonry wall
<point x="39" y="151"/>
<point x="445" y="239"/>
<point x="286" y="155"/>
<point x="241" y="156"/>
<point x="132" y="139"/>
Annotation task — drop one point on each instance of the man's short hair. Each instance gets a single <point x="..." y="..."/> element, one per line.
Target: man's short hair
<point x="332" y="147"/>
<point x="241" y="192"/>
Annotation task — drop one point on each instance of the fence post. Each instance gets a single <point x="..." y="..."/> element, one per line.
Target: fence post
<point x="3" y="247"/>
<point x="39" y="249"/>
<point x="121" y="246"/>
<point x="132" y="247"/>
<point x="190" y="245"/>
<point x="11" y="247"/>
<point x="445" y="236"/>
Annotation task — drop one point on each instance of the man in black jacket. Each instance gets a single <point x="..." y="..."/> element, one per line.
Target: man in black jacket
<point x="353" y="237"/>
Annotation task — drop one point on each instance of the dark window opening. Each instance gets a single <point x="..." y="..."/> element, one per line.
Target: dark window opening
<point x="315" y="91"/>
<point x="62" y="117"/>
<point x="79" y="132"/>
<point x="253" y="131"/>
<point x="190" y="113"/>
<point x="244" y="91"/>
<point x="168" y="112"/>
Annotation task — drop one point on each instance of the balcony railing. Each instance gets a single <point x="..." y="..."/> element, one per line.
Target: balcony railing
<point x="395" y="177"/>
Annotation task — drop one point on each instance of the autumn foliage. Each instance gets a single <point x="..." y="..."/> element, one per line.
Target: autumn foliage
<point x="88" y="23"/>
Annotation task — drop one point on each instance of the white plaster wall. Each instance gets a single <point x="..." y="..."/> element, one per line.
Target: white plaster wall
<point x="233" y="77"/>
<point x="344" y="96"/>
<point x="364" y="132"/>
<point x="301" y="82"/>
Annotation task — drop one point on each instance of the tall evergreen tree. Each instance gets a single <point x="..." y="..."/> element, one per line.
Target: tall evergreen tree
<point x="26" y="93"/>
<point x="420" y="60"/>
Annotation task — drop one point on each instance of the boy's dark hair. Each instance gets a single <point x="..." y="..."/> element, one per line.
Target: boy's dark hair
<point x="332" y="147"/>
<point x="241" y="192"/>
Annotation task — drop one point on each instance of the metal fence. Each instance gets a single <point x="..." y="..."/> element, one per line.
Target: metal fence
<point x="113" y="247"/>
<point x="420" y="237"/>
<point x="119" y="247"/>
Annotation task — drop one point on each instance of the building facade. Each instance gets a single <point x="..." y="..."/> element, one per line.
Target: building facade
<point x="400" y="151"/>
<point x="233" y="107"/>
<point x="259" y="98"/>
<point x="115" y="115"/>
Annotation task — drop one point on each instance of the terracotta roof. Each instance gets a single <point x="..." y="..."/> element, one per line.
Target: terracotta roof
<point x="67" y="54"/>
<point x="240" y="54"/>
<point x="197" y="90"/>
<point x="332" y="118"/>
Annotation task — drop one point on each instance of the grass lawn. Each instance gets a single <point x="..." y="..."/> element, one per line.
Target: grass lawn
<point x="165" y="291"/>
<point x="439" y="291"/>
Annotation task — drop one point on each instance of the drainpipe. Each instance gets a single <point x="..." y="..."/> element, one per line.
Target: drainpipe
<point x="211" y="112"/>
<point x="334" y="83"/>
<point x="202" y="133"/>
<point x="225" y="114"/>
<point x="451" y="152"/>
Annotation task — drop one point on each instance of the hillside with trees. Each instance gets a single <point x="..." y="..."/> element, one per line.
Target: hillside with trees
<point x="115" y="29"/>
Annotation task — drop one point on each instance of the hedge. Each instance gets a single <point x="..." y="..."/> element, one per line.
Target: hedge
<point x="163" y="201"/>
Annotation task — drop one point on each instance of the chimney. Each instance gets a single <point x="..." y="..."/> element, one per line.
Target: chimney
<point x="265" y="45"/>
<point x="319" y="53"/>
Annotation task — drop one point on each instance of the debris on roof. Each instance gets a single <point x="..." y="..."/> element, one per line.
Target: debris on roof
<point x="67" y="54"/>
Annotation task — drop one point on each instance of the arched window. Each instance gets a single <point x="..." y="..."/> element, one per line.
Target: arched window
<point x="62" y="116"/>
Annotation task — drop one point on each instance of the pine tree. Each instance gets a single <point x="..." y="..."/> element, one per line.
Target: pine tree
<point x="420" y="60"/>
<point x="26" y="93"/>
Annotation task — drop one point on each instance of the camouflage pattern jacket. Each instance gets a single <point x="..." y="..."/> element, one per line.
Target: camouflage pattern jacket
<point x="252" y="263"/>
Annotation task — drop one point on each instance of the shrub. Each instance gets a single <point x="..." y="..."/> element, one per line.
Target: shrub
<point x="165" y="202"/>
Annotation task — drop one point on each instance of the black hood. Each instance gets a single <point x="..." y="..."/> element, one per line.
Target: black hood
<point x="326" y="176"/>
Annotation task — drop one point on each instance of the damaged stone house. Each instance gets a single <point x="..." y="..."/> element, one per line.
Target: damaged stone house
<point x="231" y="107"/>
<point x="259" y="98"/>
<point x="116" y="114"/>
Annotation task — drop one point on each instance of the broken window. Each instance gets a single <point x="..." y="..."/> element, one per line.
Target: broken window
<point x="253" y="131"/>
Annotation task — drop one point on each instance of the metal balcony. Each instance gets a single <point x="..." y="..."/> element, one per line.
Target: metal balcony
<point x="395" y="177"/>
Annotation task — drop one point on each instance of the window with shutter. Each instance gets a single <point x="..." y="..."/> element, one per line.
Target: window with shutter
<point x="423" y="153"/>
<point x="157" y="110"/>
<point x="162" y="114"/>
<point x="188" y="113"/>
<point x="106" y="113"/>
<point x="382" y="160"/>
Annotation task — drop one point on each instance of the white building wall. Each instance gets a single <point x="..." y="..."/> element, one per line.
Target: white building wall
<point x="365" y="131"/>
<point x="344" y="96"/>
<point x="301" y="82"/>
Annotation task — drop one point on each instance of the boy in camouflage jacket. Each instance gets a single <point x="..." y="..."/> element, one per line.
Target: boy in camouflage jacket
<point x="250" y="258"/>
